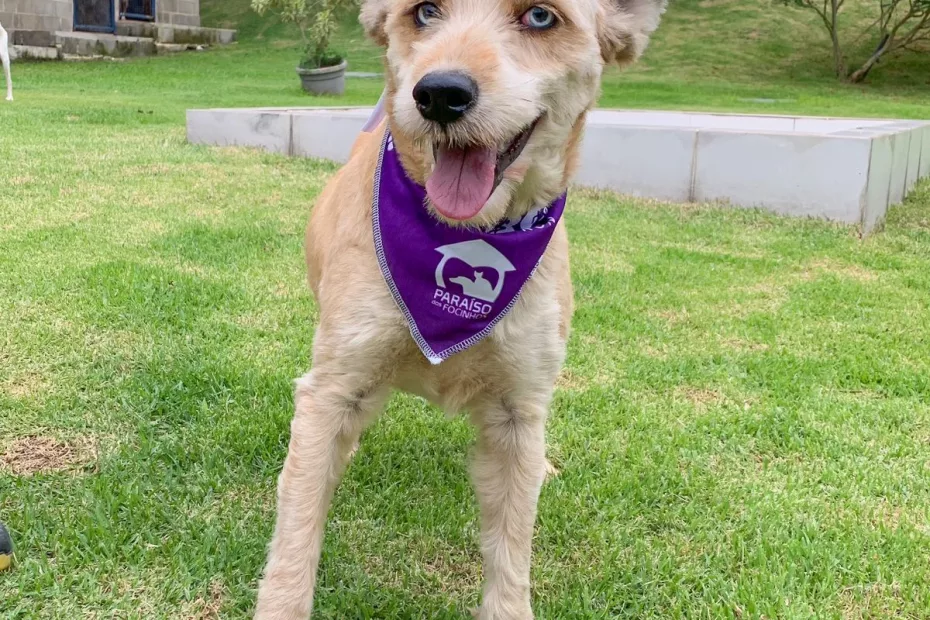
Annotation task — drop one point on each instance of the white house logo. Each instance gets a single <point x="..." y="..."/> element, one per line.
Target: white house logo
<point x="481" y="257"/>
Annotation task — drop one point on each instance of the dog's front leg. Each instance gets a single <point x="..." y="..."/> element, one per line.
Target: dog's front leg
<point x="332" y="408"/>
<point x="508" y="471"/>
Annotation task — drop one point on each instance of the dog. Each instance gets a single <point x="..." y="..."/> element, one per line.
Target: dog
<point x="485" y="104"/>
<point x="5" y="60"/>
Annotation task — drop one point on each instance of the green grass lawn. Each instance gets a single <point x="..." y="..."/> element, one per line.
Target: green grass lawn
<point x="743" y="426"/>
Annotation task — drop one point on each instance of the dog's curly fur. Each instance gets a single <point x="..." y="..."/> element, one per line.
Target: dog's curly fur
<point x="363" y="349"/>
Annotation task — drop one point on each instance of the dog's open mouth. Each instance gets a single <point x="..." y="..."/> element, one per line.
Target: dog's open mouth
<point x="465" y="177"/>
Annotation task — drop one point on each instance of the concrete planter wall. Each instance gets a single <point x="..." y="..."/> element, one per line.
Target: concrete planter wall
<point x="847" y="170"/>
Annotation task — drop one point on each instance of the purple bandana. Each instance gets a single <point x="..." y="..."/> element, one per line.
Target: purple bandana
<point x="452" y="284"/>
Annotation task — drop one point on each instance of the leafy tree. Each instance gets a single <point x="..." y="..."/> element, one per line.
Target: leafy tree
<point x="899" y="25"/>
<point x="317" y="21"/>
<point x="829" y="12"/>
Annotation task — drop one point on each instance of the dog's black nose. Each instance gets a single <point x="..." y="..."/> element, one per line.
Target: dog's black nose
<point x="445" y="96"/>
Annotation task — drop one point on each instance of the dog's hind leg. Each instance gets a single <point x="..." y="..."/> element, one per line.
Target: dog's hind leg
<point x="508" y="471"/>
<point x="5" y="61"/>
<point x="333" y="406"/>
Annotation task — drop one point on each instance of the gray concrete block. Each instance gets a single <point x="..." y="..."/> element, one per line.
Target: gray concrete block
<point x="182" y="19"/>
<point x="642" y="161"/>
<point x="168" y="33"/>
<point x="913" y="159"/>
<point x="802" y="175"/>
<point x="96" y="44"/>
<point x="924" y="169"/>
<point x="744" y="123"/>
<point x="33" y="38"/>
<point x="875" y="203"/>
<point x="325" y="136"/>
<point x="29" y="21"/>
<point x="130" y="28"/>
<point x="164" y="33"/>
<point x="833" y="125"/>
<point x="30" y="52"/>
<point x="901" y="144"/>
<point x="270" y="131"/>
<point x="848" y="170"/>
<point x="65" y="11"/>
<point x="225" y="36"/>
<point x="189" y="7"/>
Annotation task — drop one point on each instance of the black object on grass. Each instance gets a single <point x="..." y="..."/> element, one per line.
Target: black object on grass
<point x="6" y="548"/>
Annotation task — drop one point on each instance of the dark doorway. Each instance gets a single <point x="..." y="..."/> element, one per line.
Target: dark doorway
<point x="94" y="15"/>
<point x="141" y="10"/>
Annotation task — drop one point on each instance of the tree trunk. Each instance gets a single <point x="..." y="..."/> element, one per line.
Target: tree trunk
<point x="839" y="66"/>
<point x="862" y="72"/>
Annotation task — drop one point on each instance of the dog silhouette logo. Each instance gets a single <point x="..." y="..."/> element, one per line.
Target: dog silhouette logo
<point x="476" y="254"/>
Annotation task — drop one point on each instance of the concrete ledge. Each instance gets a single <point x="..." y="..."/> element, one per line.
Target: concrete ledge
<point x="924" y="167"/>
<point x="654" y="162"/>
<point x="32" y="38"/>
<point x="178" y="34"/>
<point x="32" y="52"/>
<point x="91" y="44"/>
<point x="195" y="34"/>
<point x="268" y="130"/>
<point x="801" y="175"/>
<point x="846" y="170"/>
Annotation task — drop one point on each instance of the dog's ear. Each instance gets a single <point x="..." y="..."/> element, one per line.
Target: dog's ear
<point x="625" y="28"/>
<point x="372" y="16"/>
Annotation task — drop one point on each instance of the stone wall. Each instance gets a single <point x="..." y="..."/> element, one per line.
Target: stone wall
<point x="176" y="12"/>
<point x="48" y="15"/>
<point x="53" y="15"/>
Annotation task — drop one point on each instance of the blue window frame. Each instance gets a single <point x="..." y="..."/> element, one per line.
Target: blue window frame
<point x="95" y="15"/>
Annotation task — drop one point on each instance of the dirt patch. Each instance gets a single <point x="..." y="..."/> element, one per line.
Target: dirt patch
<point x="456" y="572"/>
<point x="673" y="317"/>
<point x="23" y="386"/>
<point x="22" y="180"/>
<point x="741" y="345"/>
<point x="42" y="454"/>
<point x="873" y="600"/>
<point x="842" y="270"/>
<point x="569" y="380"/>
<point x="206" y="607"/>
<point x="700" y="398"/>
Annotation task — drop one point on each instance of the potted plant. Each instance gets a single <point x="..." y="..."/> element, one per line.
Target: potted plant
<point x="321" y="70"/>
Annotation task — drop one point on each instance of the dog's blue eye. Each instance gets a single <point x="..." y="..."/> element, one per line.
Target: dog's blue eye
<point x="538" y="18"/>
<point x="426" y="12"/>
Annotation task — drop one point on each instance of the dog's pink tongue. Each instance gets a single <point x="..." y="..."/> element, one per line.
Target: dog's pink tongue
<point x="462" y="181"/>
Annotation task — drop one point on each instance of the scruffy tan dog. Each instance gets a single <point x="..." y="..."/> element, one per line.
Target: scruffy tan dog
<point x="486" y="103"/>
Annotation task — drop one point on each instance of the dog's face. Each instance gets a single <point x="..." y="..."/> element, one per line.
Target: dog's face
<point x="488" y="96"/>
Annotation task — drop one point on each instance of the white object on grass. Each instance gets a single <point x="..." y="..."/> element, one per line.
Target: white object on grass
<point x="5" y="59"/>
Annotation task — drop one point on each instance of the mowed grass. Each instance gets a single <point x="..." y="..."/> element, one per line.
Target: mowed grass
<point x="743" y="425"/>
